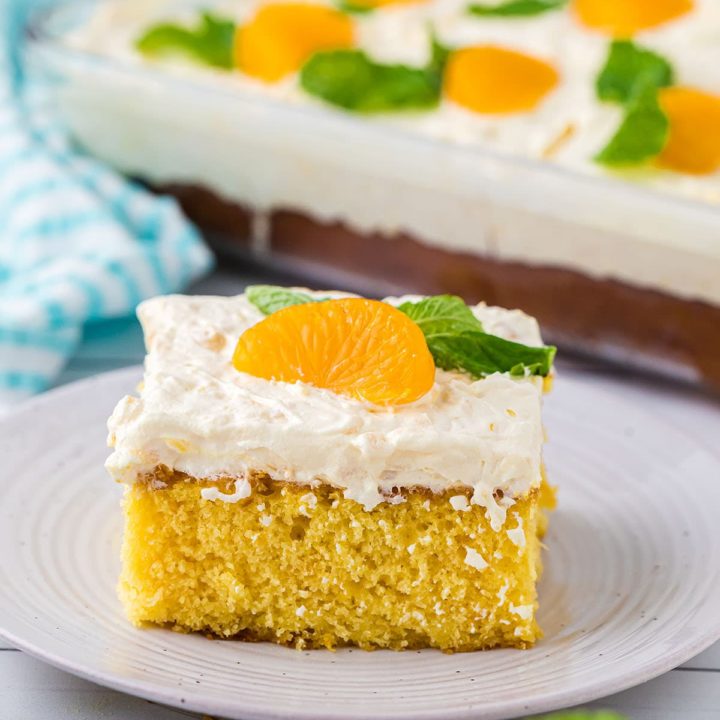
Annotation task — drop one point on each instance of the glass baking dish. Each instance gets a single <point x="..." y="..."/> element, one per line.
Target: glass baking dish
<point x="609" y="267"/>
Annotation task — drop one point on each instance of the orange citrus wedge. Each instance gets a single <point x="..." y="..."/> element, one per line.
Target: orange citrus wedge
<point x="624" y="18"/>
<point x="693" y="144"/>
<point x="365" y="349"/>
<point x="491" y="79"/>
<point x="281" y="37"/>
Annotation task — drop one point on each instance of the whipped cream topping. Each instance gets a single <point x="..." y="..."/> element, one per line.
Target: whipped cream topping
<point x="570" y="126"/>
<point x="198" y="415"/>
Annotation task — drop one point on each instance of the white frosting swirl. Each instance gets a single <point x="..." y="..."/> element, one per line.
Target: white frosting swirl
<point x="198" y="415"/>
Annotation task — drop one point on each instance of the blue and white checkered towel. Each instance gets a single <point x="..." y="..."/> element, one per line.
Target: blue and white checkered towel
<point x="78" y="243"/>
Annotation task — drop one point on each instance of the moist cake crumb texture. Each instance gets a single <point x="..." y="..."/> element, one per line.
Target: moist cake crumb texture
<point x="323" y="572"/>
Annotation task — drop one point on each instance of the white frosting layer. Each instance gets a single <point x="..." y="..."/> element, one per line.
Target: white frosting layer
<point x="400" y="34"/>
<point x="198" y="415"/>
<point x="434" y="176"/>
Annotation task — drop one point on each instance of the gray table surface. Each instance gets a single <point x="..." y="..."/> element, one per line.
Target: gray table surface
<point x="31" y="690"/>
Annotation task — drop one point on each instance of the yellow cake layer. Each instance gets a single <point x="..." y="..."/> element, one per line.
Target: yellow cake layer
<point x="309" y="568"/>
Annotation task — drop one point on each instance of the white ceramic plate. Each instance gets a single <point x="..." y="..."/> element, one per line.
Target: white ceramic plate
<point x="631" y="587"/>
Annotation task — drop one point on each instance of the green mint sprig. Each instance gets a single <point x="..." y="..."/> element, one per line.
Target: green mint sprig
<point x="516" y="8"/>
<point x="349" y="79"/>
<point x="442" y="316"/>
<point x="210" y="42"/>
<point x="351" y="8"/>
<point x="271" y="298"/>
<point x="457" y="341"/>
<point x="455" y="337"/>
<point x="632" y="76"/>
<point x="641" y="135"/>
<point x="628" y="70"/>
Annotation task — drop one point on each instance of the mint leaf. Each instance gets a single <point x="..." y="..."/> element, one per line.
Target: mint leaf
<point x="441" y="315"/>
<point x="439" y="56"/>
<point x="480" y="354"/>
<point x="632" y="76"/>
<point x="210" y="42"/>
<point x="516" y="8"/>
<point x="271" y="298"/>
<point x="629" y="69"/>
<point x="456" y="340"/>
<point x="351" y="80"/>
<point x="347" y="6"/>
<point x="642" y="133"/>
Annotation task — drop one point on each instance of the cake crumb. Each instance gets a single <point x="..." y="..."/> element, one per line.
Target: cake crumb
<point x="215" y="342"/>
<point x="503" y="592"/>
<point x="266" y="520"/>
<point x="301" y="611"/>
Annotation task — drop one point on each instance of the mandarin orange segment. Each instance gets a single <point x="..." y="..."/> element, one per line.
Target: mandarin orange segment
<point x="281" y="37"/>
<point x="693" y="144"/>
<point x="491" y="79"/>
<point x="624" y="18"/>
<point x="365" y="349"/>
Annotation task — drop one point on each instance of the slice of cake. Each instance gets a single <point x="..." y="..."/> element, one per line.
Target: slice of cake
<point x="319" y="470"/>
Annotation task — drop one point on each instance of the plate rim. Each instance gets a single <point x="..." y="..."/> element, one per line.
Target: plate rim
<point x="147" y="690"/>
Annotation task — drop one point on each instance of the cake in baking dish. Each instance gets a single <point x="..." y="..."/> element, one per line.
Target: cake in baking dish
<point x="319" y="470"/>
<point x="556" y="155"/>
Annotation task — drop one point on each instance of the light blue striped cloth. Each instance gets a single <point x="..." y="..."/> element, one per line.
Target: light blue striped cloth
<point x="78" y="243"/>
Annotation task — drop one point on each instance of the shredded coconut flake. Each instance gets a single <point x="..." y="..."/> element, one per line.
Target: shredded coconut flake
<point x="243" y="489"/>
<point x="523" y="611"/>
<point x="496" y="512"/>
<point x="474" y="559"/>
<point x="300" y="611"/>
<point x="310" y="500"/>
<point x="265" y="520"/>
<point x="517" y="534"/>
<point x="459" y="502"/>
